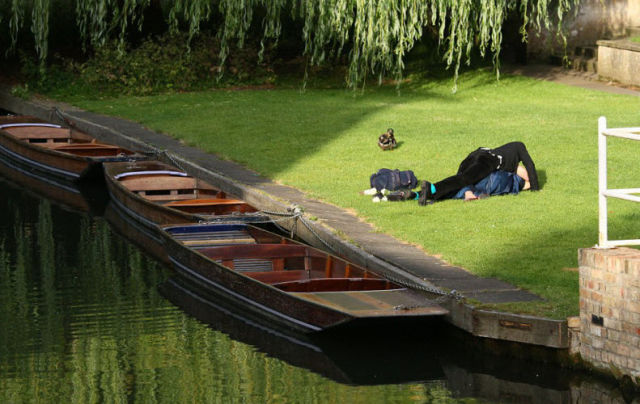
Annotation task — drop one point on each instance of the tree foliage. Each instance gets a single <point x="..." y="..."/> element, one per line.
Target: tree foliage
<point x="375" y="35"/>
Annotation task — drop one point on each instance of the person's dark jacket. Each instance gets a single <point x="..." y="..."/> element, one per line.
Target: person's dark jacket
<point x="512" y="154"/>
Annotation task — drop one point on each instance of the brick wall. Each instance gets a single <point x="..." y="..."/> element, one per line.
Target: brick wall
<point x="610" y="309"/>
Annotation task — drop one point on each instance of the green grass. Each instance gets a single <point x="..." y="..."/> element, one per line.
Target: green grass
<point x="323" y="141"/>
<point x="635" y="39"/>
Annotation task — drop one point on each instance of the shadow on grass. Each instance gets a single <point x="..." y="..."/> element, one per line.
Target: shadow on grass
<point x="542" y="177"/>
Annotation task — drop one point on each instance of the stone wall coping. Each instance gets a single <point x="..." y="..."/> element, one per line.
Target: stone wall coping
<point x="624" y="44"/>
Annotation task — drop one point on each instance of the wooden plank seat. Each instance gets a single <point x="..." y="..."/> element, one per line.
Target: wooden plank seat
<point x="91" y="149"/>
<point x="265" y="251"/>
<point x="214" y="206"/>
<point x="167" y="187"/>
<point x="276" y="277"/>
<point x="205" y="202"/>
<point x="279" y="256"/>
<point x="336" y="285"/>
<point x="42" y="135"/>
<point x="184" y="233"/>
<point x="202" y="243"/>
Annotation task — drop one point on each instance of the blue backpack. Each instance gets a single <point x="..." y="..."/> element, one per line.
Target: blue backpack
<point x="393" y="180"/>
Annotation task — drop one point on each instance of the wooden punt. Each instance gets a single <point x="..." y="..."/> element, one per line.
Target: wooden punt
<point x="299" y="286"/>
<point x="56" y="151"/>
<point x="152" y="192"/>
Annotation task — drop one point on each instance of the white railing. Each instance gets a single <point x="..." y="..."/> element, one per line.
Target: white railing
<point x="604" y="193"/>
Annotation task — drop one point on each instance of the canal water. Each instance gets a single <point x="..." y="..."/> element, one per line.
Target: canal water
<point x="87" y="315"/>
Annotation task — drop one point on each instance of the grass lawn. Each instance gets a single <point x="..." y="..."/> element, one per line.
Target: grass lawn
<point x="323" y="141"/>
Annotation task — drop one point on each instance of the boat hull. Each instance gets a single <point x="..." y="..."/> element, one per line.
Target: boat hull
<point x="48" y="162"/>
<point x="64" y="193"/>
<point x="254" y="296"/>
<point x="149" y="213"/>
<point x="78" y="161"/>
<point x="328" y="293"/>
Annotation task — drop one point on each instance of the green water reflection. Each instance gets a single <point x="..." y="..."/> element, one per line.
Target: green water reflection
<point x="83" y="322"/>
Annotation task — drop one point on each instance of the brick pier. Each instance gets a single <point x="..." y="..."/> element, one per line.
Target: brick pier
<point x="609" y="329"/>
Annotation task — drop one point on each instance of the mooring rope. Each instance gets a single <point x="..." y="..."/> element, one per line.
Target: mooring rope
<point x="296" y="213"/>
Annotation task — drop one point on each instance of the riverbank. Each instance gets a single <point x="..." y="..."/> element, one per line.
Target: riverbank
<point x="368" y="243"/>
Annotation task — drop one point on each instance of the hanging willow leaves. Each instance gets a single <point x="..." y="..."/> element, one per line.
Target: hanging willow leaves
<point x="375" y="35"/>
<point x="40" y="28"/>
<point x="92" y="20"/>
<point x="193" y="12"/>
<point x="129" y="12"/>
<point x="15" y="22"/>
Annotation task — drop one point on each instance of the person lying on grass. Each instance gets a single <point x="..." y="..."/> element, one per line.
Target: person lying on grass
<point x="478" y="165"/>
<point x="496" y="183"/>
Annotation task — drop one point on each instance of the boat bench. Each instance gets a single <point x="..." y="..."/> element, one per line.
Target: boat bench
<point x="278" y="276"/>
<point x="159" y="187"/>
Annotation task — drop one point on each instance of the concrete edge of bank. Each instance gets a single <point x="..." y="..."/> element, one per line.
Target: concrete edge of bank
<point x="268" y="196"/>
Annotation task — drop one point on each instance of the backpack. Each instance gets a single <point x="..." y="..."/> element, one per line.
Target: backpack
<point x="393" y="180"/>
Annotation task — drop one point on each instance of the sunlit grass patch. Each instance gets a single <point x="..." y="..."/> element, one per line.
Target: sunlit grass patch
<point x="323" y="141"/>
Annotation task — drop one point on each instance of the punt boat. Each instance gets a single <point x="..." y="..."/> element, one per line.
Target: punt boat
<point x="287" y="282"/>
<point x="56" y="151"/>
<point x="154" y="193"/>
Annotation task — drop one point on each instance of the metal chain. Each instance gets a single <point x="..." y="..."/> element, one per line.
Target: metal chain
<point x="454" y="294"/>
<point x="163" y="152"/>
<point x="296" y="213"/>
<point x="413" y="285"/>
<point x="55" y="111"/>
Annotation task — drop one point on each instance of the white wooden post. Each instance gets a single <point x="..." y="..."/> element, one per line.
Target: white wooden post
<point x="628" y="194"/>
<point x="602" y="183"/>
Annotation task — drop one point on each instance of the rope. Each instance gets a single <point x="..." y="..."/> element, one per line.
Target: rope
<point x="163" y="152"/>
<point x="60" y="115"/>
<point x="295" y="213"/>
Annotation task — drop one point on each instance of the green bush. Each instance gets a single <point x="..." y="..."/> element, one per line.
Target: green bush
<point x="157" y="65"/>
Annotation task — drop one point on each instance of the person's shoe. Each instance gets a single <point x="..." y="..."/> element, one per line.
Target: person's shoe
<point x="402" y="195"/>
<point x="425" y="193"/>
<point x="370" y="191"/>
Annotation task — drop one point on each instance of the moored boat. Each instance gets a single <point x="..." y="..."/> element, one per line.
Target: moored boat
<point x="56" y="151"/>
<point x="152" y="192"/>
<point x="287" y="282"/>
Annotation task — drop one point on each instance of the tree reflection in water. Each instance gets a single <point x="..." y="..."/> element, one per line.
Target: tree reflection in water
<point x="83" y="321"/>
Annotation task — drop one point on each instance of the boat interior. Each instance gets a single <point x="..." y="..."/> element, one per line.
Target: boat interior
<point x="177" y="190"/>
<point x="276" y="260"/>
<point x="61" y="139"/>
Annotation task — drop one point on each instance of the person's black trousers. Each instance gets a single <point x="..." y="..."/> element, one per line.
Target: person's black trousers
<point x="475" y="167"/>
